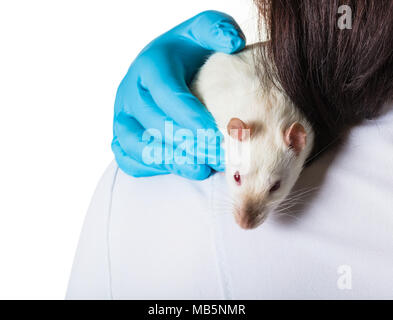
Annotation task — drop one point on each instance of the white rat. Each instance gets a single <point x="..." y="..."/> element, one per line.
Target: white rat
<point x="280" y="138"/>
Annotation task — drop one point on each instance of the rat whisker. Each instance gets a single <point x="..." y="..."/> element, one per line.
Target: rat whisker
<point x="302" y="192"/>
<point x="283" y="214"/>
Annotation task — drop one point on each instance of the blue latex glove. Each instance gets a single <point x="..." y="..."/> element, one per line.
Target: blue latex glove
<point x="155" y="90"/>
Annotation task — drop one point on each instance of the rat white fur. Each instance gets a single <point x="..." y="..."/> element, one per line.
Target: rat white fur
<point x="229" y="87"/>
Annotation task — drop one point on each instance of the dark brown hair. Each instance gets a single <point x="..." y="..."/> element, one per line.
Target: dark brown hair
<point x="335" y="77"/>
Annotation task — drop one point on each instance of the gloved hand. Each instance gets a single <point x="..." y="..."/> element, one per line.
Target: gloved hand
<point x="155" y="90"/>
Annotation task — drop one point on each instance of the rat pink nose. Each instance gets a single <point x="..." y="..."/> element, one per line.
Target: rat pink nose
<point x="244" y="220"/>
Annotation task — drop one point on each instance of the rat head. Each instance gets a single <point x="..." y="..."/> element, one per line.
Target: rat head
<point x="265" y="169"/>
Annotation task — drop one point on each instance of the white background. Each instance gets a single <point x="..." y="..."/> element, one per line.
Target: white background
<point x="60" y="65"/>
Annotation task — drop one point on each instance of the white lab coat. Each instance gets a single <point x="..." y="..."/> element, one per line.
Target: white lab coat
<point x="166" y="237"/>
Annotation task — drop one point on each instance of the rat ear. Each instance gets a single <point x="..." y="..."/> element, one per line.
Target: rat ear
<point x="238" y="130"/>
<point x="295" y="137"/>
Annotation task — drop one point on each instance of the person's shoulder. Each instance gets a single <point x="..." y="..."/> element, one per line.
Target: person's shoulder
<point x="164" y="188"/>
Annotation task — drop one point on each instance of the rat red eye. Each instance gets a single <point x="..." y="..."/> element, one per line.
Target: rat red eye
<point x="237" y="178"/>
<point x="275" y="186"/>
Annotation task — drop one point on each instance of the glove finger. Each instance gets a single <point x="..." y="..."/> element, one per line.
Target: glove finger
<point x="137" y="143"/>
<point x="214" y="30"/>
<point x="183" y="110"/>
<point x="144" y="144"/>
<point x="156" y="119"/>
<point x="147" y="113"/>
<point x="174" y="98"/>
<point x="131" y="166"/>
